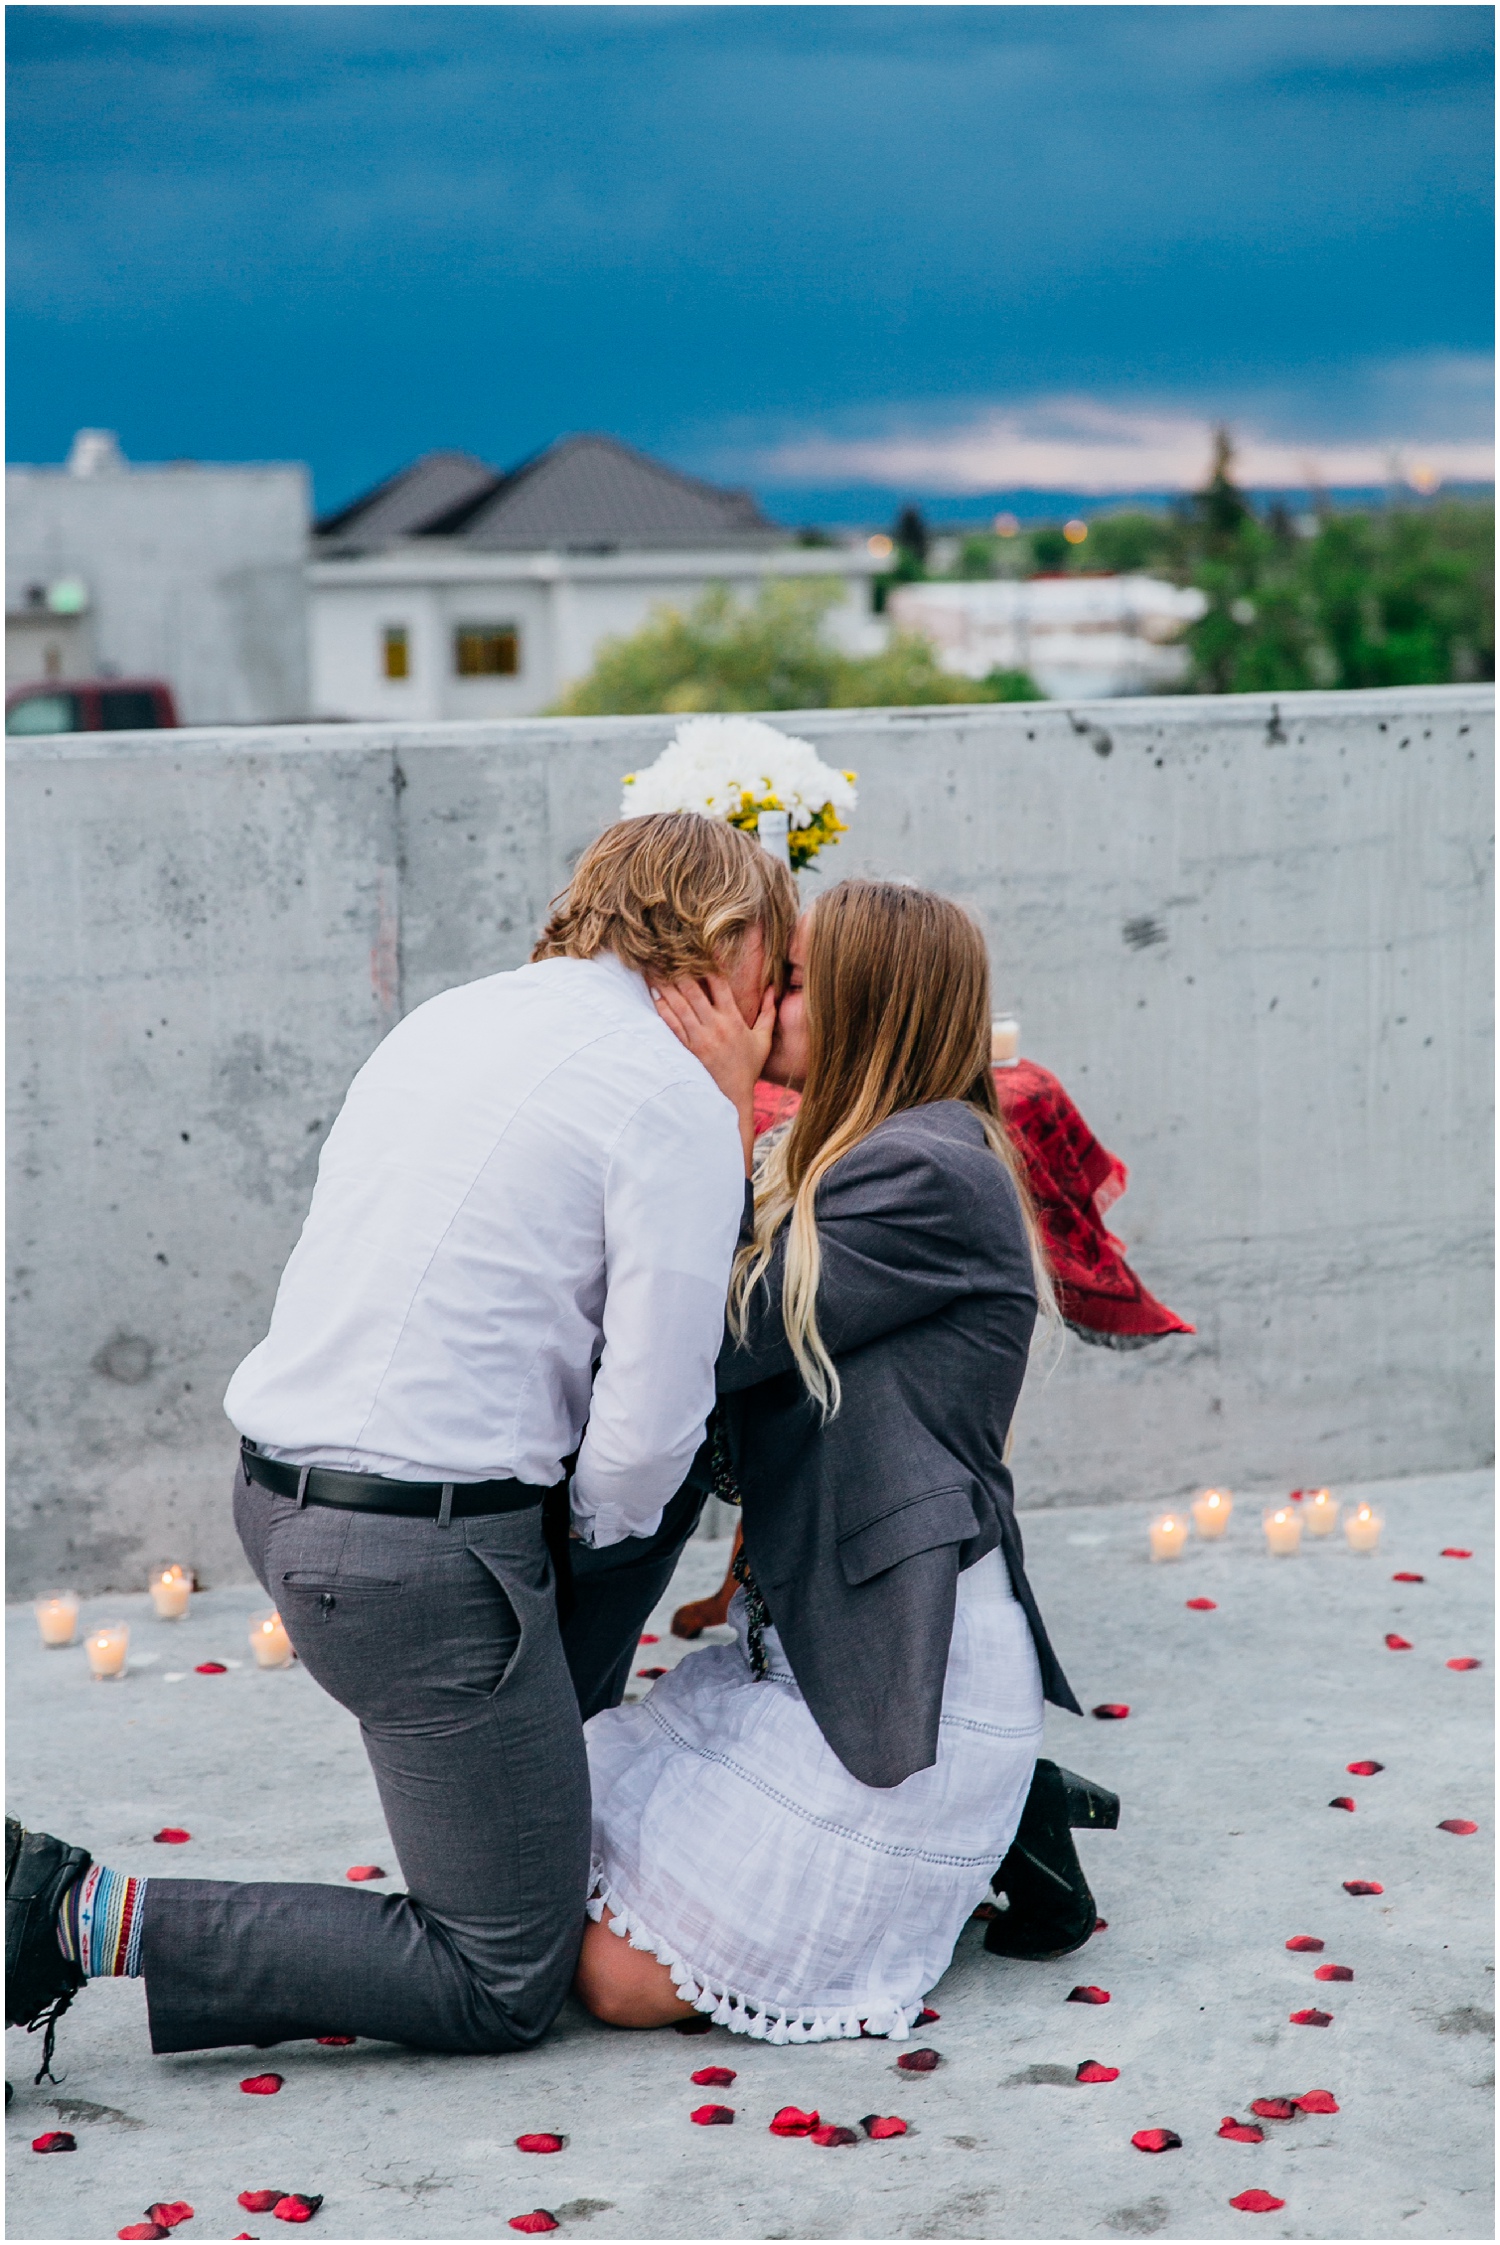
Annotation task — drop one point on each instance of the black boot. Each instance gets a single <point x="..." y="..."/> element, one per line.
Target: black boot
<point x="1051" y="1909"/>
<point x="40" y="1982"/>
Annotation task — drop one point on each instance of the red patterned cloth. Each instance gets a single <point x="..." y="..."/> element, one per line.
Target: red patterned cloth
<point x="1073" y="1182"/>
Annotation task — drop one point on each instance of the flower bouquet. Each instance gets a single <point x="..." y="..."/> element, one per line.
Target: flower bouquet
<point x="736" y="767"/>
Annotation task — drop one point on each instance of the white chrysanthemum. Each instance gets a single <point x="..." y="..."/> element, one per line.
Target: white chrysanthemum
<point x="713" y="763"/>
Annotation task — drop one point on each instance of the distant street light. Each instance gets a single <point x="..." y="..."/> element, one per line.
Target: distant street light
<point x="1075" y="531"/>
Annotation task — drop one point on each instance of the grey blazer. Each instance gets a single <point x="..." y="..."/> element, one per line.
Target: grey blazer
<point x="856" y="1529"/>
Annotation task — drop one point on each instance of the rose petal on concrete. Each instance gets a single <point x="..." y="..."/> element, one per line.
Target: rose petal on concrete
<point x="541" y="2142"/>
<point x="1310" y="2018"/>
<point x="169" y="2212"/>
<point x="879" y="2125"/>
<point x="262" y="2085"/>
<point x="1333" y="1972"/>
<point x="1240" y="2131"/>
<point x="1157" y="2139"/>
<point x="359" y="1872"/>
<point x="830" y="2134"/>
<point x="534" y="2222"/>
<point x="713" y="2077"/>
<point x="211" y="1668"/>
<point x="1450" y="1551"/>
<point x="1274" y="2108"/>
<point x="1397" y="1644"/>
<point x="1342" y="1800"/>
<point x="143" y="2229"/>
<point x="1465" y="1664"/>
<point x="712" y="2116"/>
<point x="1202" y="1606"/>
<point x="927" y="2017"/>
<point x="1364" y="1769"/>
<point x="1087" y="1995"/>
<point x="1304" y="1941"/>
<point x="297" y="2206"/>
<point x="1101" y="1925"/>
<point x="260" y="2201"/>
<point x="1257" y="2202"/>
<point x="790" y="2121"/>
<point x="648" y="1639"/>
<point x="1408" y="1578"/>
<point x="1111" y="1711"/>
<point x="171" y="1835"/>
<point x="1363" y="1886"/>
<point x="1091" y="2070"/>
<point x="919" y="2061"/>
<point x="56" y="2139"/>
<point x="1317" y="2100"/>
<point x="1459" y="1824"/>
<point x="336" y="2042"/>
<point x="651" y="1673"/>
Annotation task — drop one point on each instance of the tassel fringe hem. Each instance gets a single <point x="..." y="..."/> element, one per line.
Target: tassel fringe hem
<point x="742" y="2016"/>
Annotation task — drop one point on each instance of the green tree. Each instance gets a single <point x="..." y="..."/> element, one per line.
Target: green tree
<point x="723" y="654"/>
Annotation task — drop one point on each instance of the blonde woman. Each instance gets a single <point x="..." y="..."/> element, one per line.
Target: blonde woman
<point x="790" y="1832"/>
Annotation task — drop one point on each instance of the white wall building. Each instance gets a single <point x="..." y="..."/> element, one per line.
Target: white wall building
<point x="452" y="591"/>
<point x="190" y="574"/>
<point x="1079" y="637"/>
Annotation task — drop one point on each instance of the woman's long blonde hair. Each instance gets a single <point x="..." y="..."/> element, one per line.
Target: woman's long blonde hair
<point x="898" y="1015"/>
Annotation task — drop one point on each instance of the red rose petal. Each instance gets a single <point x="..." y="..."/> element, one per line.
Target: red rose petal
<point x="169" y="2212"/>
<point x="832" y="2135"/>
<point x="1101" y="1925"/>
<point x="790" y="2122"/>
<point x="297" y="2206"/>
<point x="651" y="1673"/>
<point x="1111" y="1711"/>
<point x="1363" y="1886"/>
<point x="714" y="2077"/>
<point x="1202" y="1606"/>
<point x="1311" y="2018"/>
<point x="260" y="2201"/>
<point x="56" y="2139"/>
<point x="359" y="1872"/>
<point x="143" y="2229"/>
<point x="919" y="2061"/>
<point x="537" y="2221"/>
<point x="1317" y="2100"/>
<point x="1342" y="1800"/>
<point x="336" y="2042"/>
<point x="1274" y="2108"/>
<point x="1087" y="1995"/>
<point x="212" y="1668"/>
<point x="927" y="2017"/>
<point x="648" y="1639"/>
<point x="262" y="2085"/>
<point x="241" y="2235"/>
<point x="1408" y="1578"/>
<point x="1157" y="2139"/>
<point x="1240" y="2131"/>
<point x="1257" y="2202"/>
<point x="882" y="2124"/>
<point x="1397" y="1644"/>
<point x="1364" y="1769"/>
<point x="1091" y="2070"/>
<point x="1450" y="1552"/>
<point x="1333" y="1972"/>
<point x="712" y="2116"/>
<point x="1465" y="1664"/>
<point x="1458" y="1824"/>
<point x="540" y="2143"/>
<point x="171" y="1835"/>
<point x="1304" y="1941"/>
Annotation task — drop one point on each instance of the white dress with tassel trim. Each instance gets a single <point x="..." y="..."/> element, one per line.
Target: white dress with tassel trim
<point x="792" y="1903"/>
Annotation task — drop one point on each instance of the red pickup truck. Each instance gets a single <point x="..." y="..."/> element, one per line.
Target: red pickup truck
<point x="90" y="705"/>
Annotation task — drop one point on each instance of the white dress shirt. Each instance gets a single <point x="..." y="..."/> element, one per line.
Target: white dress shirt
<point x="530" y="1178"/>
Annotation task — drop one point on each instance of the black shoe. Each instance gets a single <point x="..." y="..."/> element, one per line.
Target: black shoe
<point x="1052" y="1911"/>
<point x="40" y="1982"/>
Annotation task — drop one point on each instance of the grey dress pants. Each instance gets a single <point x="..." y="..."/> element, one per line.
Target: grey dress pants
<point x="444" y="1643"/>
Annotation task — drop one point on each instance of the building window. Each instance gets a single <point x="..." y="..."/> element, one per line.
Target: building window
<point x="396" y="653"/>
<point x="486" y="650"/>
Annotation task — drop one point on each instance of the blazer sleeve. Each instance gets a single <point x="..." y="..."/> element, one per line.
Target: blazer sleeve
<point x="898" y="1229"/>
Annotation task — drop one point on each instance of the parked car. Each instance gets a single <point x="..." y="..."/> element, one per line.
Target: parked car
<point x="90" y="705"/>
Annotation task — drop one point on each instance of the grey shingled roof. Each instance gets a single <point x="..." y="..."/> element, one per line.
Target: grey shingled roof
<point x="582" y="493"/>
<point x="406" y="504"/>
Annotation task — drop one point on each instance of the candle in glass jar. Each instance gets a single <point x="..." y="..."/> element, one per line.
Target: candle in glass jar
<point x="1005" y="1041"/>
<point x="171" y="1588"/>
<point x="1363" y="1528"/>
<point x="57" y="1617"/>
<point x="106" y="1647"/>
<point x="1320" y="1512"/>
<point x="269" y="1641"/>
<point x="1211" y="1512"/>
<point x="1168" y="1535"/>
<point x="1283" y="1530"/>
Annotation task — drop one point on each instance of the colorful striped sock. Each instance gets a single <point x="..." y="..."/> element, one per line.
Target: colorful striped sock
<point x="99" y="1924"/>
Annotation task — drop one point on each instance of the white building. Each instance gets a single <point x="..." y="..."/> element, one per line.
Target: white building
<point x="191" y="574"/>
<point x="454" y="591"/>
<point x="1077" y="636"/>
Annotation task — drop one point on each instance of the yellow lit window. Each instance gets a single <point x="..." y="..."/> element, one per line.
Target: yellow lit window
<point x="486" y="650"/>
<point x="397" y="652"/>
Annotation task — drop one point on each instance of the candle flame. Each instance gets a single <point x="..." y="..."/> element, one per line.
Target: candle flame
<point x="1363" y="1512"/>
<point x="1280" y="1519"/>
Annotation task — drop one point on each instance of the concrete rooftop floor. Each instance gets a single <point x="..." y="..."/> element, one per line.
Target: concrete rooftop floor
<point x="1242" y="1721"/>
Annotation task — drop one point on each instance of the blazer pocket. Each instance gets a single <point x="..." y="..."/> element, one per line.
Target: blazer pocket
<point x="922" y="1523"/>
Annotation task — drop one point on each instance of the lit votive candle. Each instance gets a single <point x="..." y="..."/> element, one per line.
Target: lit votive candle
<point x="1283" y="1530"/>
<point x="1211" y="1512"/>
<point x="1168" y="1535"/>
<point x="57" y="1617"/>
<point x="171" y="1588"/>
<point x="1005" y="1041"/>
<point x="1320" y="1512"/>
<point x="106" y="1647"/>
<point x="1363" y="1528"/>
<point x="269" y="1641"/>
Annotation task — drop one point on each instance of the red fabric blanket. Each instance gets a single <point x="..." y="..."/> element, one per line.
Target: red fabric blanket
<point x="1073" y="1182"/>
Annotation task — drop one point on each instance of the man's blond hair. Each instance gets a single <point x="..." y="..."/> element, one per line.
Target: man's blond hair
<point x="674" y="895"/>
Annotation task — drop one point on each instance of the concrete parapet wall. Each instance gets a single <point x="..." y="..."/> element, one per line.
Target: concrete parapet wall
<point x="1253" y="938"/>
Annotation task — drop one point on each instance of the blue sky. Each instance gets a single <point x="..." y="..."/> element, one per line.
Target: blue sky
<point x="823" y="251"/>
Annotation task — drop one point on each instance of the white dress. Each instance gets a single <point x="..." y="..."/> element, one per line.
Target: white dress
<point x="790" y="1902"/>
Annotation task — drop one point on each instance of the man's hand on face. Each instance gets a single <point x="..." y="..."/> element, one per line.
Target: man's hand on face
<point x="710" y="1019"/>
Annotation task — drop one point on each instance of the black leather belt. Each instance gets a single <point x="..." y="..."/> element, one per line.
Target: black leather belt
<point x="372" y="1492"/>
